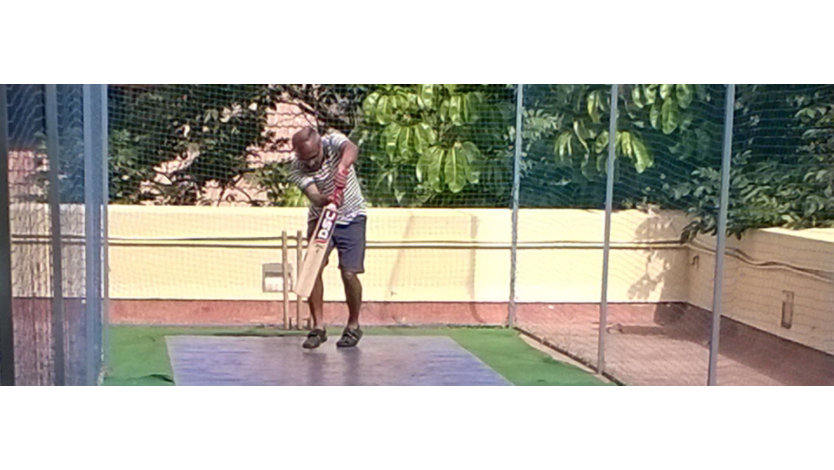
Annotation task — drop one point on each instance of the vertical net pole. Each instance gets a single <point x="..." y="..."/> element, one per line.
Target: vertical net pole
<point x="298" y="261"/>
<point x="609" y="198"/>
<point x="6" y="323"/>
<point x="105" y="201"/>
<point x="94" y="150"/>
<point x="54" y="199"/>
<point x="285" y="280"/>
<point x="722" y="233"/>
<point x="519" y="99"/>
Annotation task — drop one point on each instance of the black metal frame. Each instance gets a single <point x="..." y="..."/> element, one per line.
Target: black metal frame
<point x="7" y="372"/>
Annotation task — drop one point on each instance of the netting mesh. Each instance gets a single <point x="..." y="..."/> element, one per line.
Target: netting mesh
<point x="421" y="146"/>
<point x="72" y="220"/>
<point x="426" y="145"/>
<point x="31" y="263"/>
<point x="51" y="342"/>
<point x="562" y="188"/>
<point x="779" y="283"/>
<point x="200" y="196"/>
<point x="656" y="333"/>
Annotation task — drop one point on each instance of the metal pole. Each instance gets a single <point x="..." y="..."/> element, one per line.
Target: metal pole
<point x="722" y="233"/>
<point x="606" y="245"/>
<point x="93" y="159"/>
<point x="54" y="199"/>
<point x="285" y="279"/>
<point x="6" y="317"/>
<point x="298" y="260"/>
<point x="519" y="103"/>
<point x="105" y="201"/>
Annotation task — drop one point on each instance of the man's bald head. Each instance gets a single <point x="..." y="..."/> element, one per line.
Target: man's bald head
<point x="306" y="143"/>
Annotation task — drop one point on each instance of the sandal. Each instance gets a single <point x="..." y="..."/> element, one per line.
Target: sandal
<point x="349" y="338"/>
<point x="315" y="338"/>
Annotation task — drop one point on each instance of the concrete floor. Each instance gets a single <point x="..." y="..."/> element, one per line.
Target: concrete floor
<point x="669" y="345"/>
<point x="378" y="360"/>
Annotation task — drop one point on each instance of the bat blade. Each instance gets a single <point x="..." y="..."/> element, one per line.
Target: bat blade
<point x="316" y="251"/>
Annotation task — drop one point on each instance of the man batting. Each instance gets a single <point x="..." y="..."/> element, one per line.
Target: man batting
<point x="323" y="170"/>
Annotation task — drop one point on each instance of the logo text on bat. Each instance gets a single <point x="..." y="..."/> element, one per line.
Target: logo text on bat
<point x="327" y="225"/>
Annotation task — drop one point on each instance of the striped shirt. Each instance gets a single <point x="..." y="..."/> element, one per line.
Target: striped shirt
<point x="353" y="203"/>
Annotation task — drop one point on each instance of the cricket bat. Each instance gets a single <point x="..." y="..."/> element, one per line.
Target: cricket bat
<point x="316" y="250"/>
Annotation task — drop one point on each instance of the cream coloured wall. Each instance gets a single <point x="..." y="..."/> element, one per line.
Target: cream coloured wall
<point x="773" y="262"/>
<point x="163" y="253"/>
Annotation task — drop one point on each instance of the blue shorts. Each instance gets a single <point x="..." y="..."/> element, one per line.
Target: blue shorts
<point x="349" y="241"/>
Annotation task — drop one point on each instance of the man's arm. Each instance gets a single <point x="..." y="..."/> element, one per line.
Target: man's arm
<point x="350" y="153"/>
<point x="315" y="196"/>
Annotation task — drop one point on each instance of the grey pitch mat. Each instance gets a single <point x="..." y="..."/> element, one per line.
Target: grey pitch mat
<point x="378" y="360"/>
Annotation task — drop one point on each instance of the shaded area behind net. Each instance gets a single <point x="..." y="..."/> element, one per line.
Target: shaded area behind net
<point x="37" y="308"/>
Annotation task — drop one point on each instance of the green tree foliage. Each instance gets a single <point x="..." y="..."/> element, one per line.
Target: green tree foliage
<point x="436" y="144"/>
<point x="668" y="151"/>
<point x="274" y="177"/>
<point x="452" y="145"/>
<point x="783" y="156"/>
<point x="566" y="141"/>
<point x="219" y="124"/>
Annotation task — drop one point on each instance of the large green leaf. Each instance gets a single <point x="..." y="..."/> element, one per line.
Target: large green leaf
<point x="637" y="96"/>
<point x="666" y="91"/>
<point x="425" y="96"/>
<point x="383" y="109"/>
<point x="428" y="167"/>
<point x="403" y="140"/>
<point x="654" y="115"/>
<point x="643" y="159"/>
<point x="684" y="94"/>
<point x="399" y="103"/>
<point x="624" y="141"/>
<point x="444" y="112"/>
<point x="421" y="170"/>
<point x="581" y="134"/>
<point x="473" y="105"/>
<point x="563" y="145"/>
<point x="390" y="137"/>
<point x="593" y="105"/>
<point x="435" y="166"/>
<point x="469" y="107"/>
<point x="669" y="117"/>
<point x="369" y="105"/>
<point x="455" y="169"/>
<point x="423" y="137"/>
<point x="602" y="162"/>
<point x="601" y="142"/>
<point x="470" y="152"/>
<point x="456" y="109"/>
<point x="582" y="130"/>
<point x="650" y="93"/>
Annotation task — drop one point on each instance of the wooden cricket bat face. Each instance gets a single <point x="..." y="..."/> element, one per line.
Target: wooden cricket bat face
<point x="325" y="226"/>
<point x="316" y="251"/>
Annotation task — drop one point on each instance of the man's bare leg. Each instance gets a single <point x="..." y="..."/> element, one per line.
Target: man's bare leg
<point x="316" y="303"/>
<point x="353" y="295"/>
